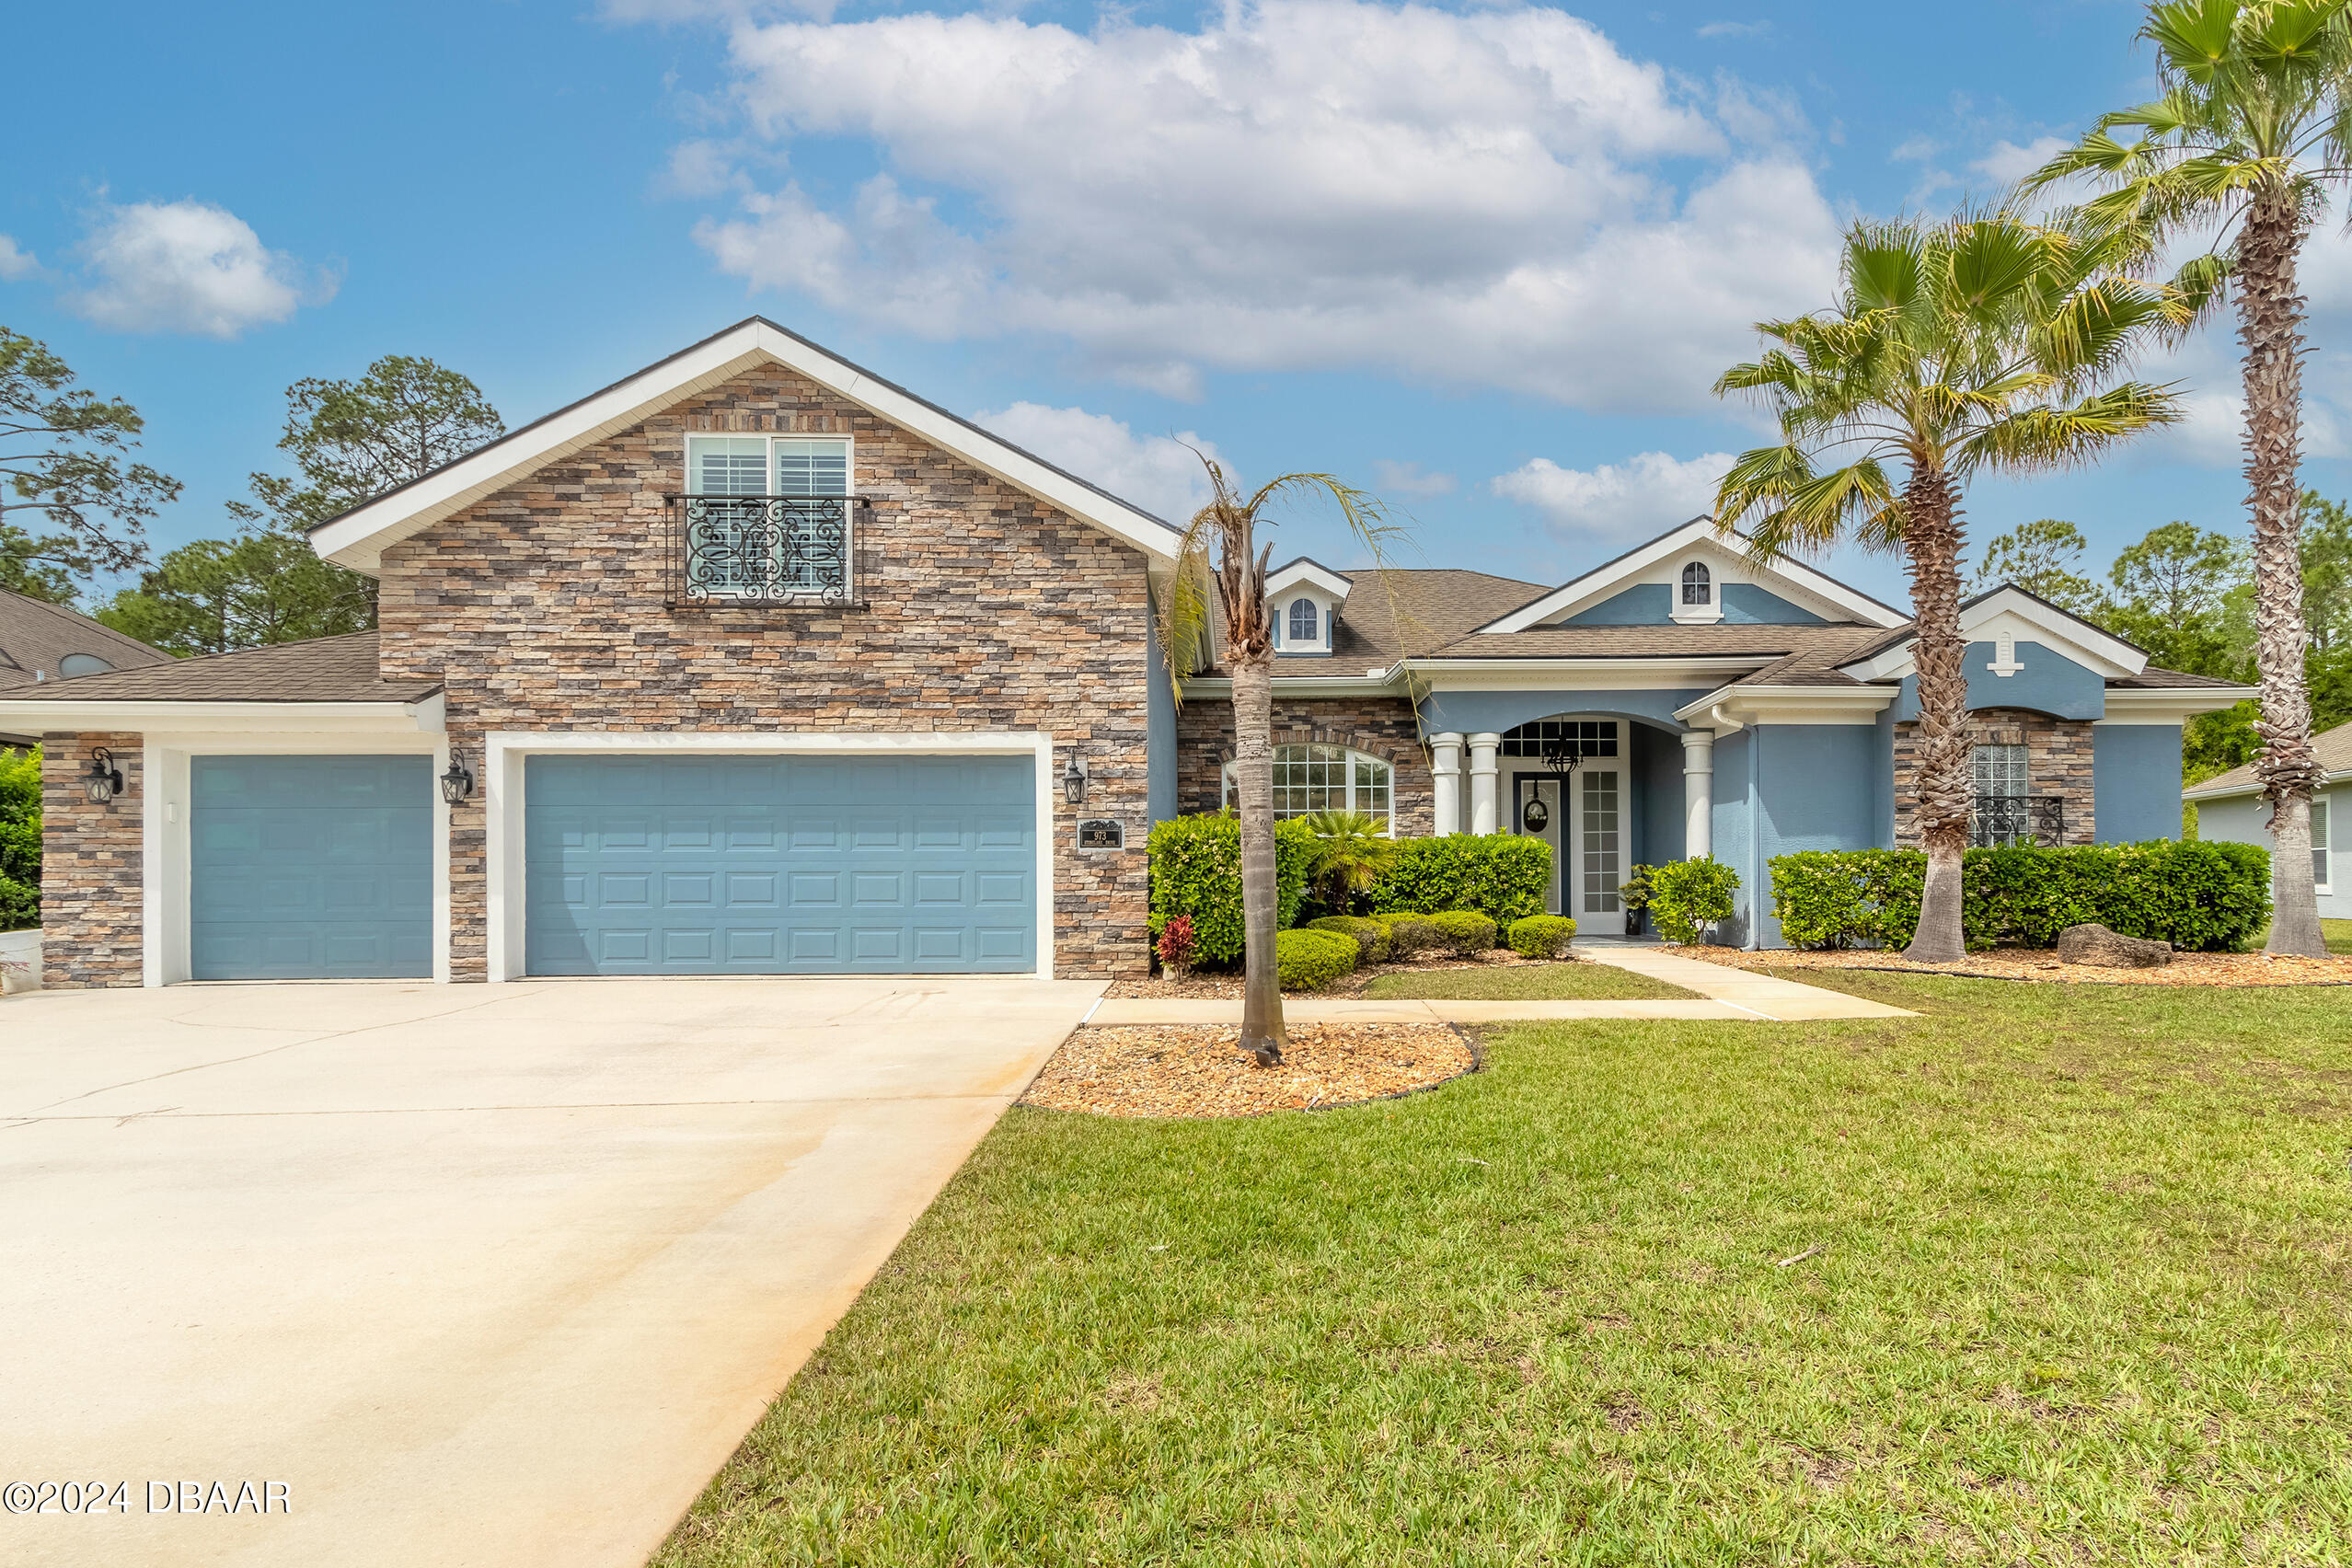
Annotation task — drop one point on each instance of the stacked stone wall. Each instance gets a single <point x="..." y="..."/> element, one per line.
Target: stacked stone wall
<point x="92" y="904"/>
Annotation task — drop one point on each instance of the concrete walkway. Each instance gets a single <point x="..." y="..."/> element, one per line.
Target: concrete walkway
<point x="1724" y="994"/>
<point x="479" y="1275"/>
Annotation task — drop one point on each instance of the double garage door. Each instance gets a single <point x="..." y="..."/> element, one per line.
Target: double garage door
<point x="307" y="867"/>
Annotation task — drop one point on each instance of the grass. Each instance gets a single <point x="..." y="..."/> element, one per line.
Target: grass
<point x="1515" y="983"/>
<point x="2080" y="1298"/>
<point x="2337" y="934"/>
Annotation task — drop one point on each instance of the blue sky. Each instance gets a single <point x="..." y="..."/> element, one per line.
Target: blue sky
<point x="1485" y="259"/>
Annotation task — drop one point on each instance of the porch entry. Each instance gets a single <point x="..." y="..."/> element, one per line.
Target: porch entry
<point x="1568" y="789"/>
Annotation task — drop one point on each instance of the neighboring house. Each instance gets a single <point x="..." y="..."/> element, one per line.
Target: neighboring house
<point x="754" y="663"/>
<point x="41" y="642"/>
<point x="2230" y="807"/>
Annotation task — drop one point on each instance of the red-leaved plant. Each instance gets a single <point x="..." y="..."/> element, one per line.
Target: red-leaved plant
<point x="1176" y="946"/>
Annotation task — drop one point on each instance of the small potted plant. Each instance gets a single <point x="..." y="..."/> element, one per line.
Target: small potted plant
<point x="1635" y="894"/>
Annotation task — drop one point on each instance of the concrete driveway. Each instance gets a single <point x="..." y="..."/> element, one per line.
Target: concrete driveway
<point x="452" y="1274"/>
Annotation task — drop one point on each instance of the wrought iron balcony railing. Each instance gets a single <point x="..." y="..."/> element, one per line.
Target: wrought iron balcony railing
<point x="1999" y="820"/>
<point x="761" y="550"/>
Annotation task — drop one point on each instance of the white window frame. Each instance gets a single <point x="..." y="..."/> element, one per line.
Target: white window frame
<point x="773" y="441"/>
<point x="2323" y="826"/>
<point x="1353" y="757"/>
<point x="1710" y="611"/>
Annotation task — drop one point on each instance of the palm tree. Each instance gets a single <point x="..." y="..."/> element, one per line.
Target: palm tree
<point x="1227" y="529"/>
<point x="2255" y="126"/>
<point x="1352" y="849"/>
<point x="1981" y="343"/>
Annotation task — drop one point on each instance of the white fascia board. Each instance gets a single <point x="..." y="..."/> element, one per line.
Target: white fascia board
<point x="1606" y="579"/>
<point x="1790" y="704"/>
<point x="2168" y="705"/>
<point x="1582" y="674"/>
<point x="1311" y="574"/>
<point x="226" y="718"/>
<point x="2053" y="628"/>
<point x="358" y="539"/>
<point x="1381" y="684"/>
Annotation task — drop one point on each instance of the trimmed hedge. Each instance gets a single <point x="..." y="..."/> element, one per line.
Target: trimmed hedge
<point x="1308" y="961"/>
<point x="1542" y="936"/>
<point x="1410" y="934"/>
<point x="19" y="839"/>
<point x="1467" y="933"/>
<point x="1687" y="896"/>
<point x="1370" y="936"/>
<point x="1502" y="876"/>
<point x="1196" y="871"/>
<point x="2198" y="896"/>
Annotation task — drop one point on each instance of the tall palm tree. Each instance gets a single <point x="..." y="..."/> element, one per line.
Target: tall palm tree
<point x="2255" y="126"/>
<point x="1220" y="543"/>
<point x="1981" y="343"/>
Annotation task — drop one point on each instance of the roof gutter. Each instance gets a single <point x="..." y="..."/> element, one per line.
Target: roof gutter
<point x="424" y="714"/>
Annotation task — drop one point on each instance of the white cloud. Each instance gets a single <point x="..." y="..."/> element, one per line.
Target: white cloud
<point x="1642" y="495"/>
<point x="1734" y="29"/>
<point x="1162" y="474"/>
<point x="699" y="169"/>
<point x="2008" y="163"/>
<point x="1486" y="199"/>
<point x="188" y="267"/>
<point x="15" y="263"/>
<point x="1410" y="478"/>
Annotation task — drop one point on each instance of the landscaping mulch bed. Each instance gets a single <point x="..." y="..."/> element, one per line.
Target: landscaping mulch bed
<point x="2018" y="964"/>
<point x="1225" y="985"/>
<point x="1198" y="1070"/>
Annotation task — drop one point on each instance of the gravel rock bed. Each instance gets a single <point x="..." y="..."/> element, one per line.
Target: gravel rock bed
<point x="2017" y="964"/>
<point x="1191" y="1070"/>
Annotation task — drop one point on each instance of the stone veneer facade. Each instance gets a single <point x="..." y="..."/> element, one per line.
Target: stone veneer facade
<point x="2058" y="762"/>
<point x="91" y="902"/>
<point x="541" y="607"/>
<point x="1383" y="727"/>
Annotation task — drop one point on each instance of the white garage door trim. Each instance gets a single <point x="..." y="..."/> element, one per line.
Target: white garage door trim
<point x="504" y="752"/>
<point x="164" y="821"/>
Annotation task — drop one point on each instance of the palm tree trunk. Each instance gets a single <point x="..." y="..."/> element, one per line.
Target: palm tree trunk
<point x="2270" y="325"/>
<point x="1931" y="541"/>
<point x="1263" y="1036"/>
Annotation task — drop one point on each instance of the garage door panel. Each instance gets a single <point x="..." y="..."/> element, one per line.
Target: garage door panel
<point x="779" y="865"/>
<point x="310" y="868"/>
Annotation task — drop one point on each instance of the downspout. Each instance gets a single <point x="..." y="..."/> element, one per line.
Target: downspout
<point x="1755" y="837"/>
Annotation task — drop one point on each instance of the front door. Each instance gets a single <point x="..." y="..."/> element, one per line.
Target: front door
<point x="1586" y="835"/>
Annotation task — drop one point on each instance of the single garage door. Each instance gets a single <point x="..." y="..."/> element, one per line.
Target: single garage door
<point x="310" y="868"/>
<point x="780" y="865"/>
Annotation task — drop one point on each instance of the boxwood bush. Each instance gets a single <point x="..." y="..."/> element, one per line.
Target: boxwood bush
<point x="1371" y="935"/>
<point x="20" y="838"/>
<point x="1502" y="876"/>
<point x="1687" y="896"/>
<point x="1308" y="961"/>
<point x="2200" y="896"/>
<point x="1196" y="871"/>
<point x="1542" y="936"/>
<point x="1467" y="932"/>
<point x="1410" y="934"/>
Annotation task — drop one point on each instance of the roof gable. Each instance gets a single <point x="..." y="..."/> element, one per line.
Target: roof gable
<point x="37" y="636"/>
<point x="358" y="537"/>
<point x="1811" y="590"/>
<point x="1308" y="573"/>
<point x="2009" y="611"/>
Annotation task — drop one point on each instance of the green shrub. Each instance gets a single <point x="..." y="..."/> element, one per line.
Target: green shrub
<point x="19" y="839"/>
<point x="1308" y="961"/>
<point x="1687" y="896"/>
<point x="2197" y="896"/>
<point x="1371" y="936"/>
<point x="1466" y="933"/>
<point x="1502" y="876"/>
<point x="1410" y="934"/>
<point x="1196" y="871"/>
<point x="1542" y="936"/>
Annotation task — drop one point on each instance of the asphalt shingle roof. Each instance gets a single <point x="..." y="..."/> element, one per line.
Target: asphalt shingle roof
<point x="35" y="636"/>
<point x="2334" y="748"/>
<point x="325" y="669"/>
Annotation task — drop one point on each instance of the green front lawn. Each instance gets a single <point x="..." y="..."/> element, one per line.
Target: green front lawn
<point x="2337" y="935"/>
<point x="1529" y="983"/>
<point x="2081" y="1296"/>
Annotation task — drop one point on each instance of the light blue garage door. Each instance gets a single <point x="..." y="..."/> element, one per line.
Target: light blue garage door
<point x="772" y="865"/>
<point x="310" y="868"/>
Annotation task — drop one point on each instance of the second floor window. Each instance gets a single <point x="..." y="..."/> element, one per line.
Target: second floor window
<point x="1302" y="623"/>
<point x="1698" y="585"/>
<point x="767" y="518"/>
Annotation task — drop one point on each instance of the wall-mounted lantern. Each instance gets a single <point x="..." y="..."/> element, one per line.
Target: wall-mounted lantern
<point x="1073" y="780"/>
<point x="458" y="783"/>
<point x="104" y="780"/>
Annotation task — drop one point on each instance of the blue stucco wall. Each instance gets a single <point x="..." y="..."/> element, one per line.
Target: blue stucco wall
<point x="2050" y="682"/>
<point x="1657" y="789"/>
<point x="1734" y="823"/>
<point x="2135" y="782"/>
<point x="1475" y="712"/>
<point x="1815" y="792"/>
<point x="1652" y="604"/>
<point x="1881" y="780"/>
<point x="1160" y="729"/>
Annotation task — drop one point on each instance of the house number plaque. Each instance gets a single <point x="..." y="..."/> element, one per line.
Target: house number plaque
<point x="1101" y="833"/>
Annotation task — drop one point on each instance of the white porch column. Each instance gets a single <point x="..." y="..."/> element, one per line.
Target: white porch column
<point x="1446" y="769"/>
<point x="1698" y="791"/>
<point x="1482" y="771"/>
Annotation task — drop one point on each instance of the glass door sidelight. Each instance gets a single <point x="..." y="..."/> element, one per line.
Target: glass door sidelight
<point x="1600" y="839"/>
<point x="1537" y="812"/>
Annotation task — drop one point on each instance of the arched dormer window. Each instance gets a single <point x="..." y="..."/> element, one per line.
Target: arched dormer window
<point x="1303" y="621"/>
<point x="1698" y="584"/>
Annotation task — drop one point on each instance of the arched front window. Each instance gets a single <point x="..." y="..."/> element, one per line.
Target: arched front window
<point x="1697" y="586"/>
<point x="1324" y="779"/>
<point x="1302" y="621"/>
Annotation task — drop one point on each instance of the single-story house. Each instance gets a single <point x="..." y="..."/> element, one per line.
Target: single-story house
<point x="756" y="663"/>
<point x="40" y="643"/>
<point x="2230" y="807"/>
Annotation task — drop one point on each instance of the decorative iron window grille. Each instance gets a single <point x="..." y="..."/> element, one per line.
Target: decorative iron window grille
<point x="1999" y="820"/>
<point x="761" y="550"/>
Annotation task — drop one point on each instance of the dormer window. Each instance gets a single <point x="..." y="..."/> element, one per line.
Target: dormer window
<point x="1692" y="594"/>
<point x="1303" y="600"/>
<point x="1698" y="584"/>
<point x="1303" y="623"/>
